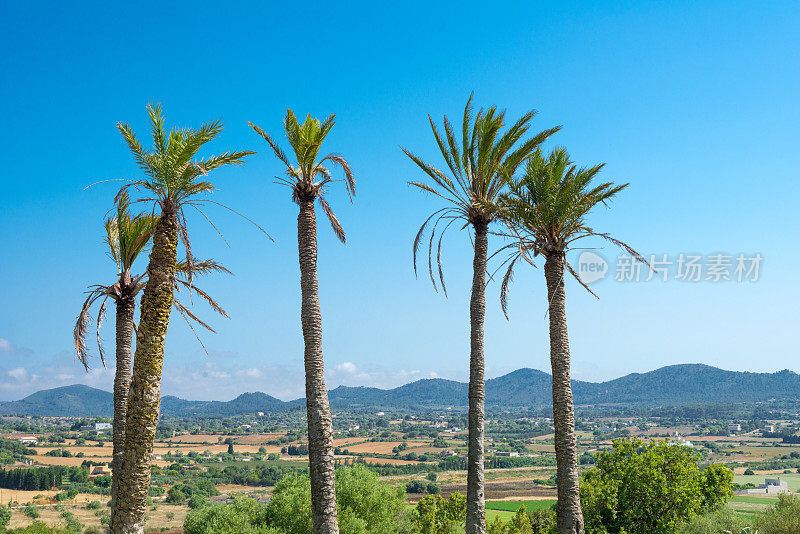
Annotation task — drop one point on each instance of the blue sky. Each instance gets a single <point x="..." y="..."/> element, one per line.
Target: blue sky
<point x="695" y="105"/>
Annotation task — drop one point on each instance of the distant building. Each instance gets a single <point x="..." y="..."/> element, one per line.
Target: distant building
<point x="245" y="427"/>
<point x="96" y="427"/>
<point x="770" y="486"/>
<point x="769" y="428"/>
<point x="27" y="440"/>
<point x="260" y="414"/>
<point x="512" y="454"/>
<point x="99" y="470"/>
<point x="677" y="439"/>
<point x="734" y="427"/>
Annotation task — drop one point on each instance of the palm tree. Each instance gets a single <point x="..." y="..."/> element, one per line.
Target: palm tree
<point x="309" y="179"/>
<point x="173" y="179"/>
<point x="546" y="212"/>
<point x="126" y="238"/>
<point x="471" y="192"/>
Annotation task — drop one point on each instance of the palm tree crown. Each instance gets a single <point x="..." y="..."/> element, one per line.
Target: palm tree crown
<point x="309" y="178"/>
<point x="173" y="176"/>
<point x="546" y="210"/>
<point x="477" y="171"/>
<point x="126" y="237"/>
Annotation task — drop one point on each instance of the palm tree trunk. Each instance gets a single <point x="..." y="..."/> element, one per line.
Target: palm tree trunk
<point x="570" y="516"/>
<point x="126" y="306"/>
<point x="145" y="393"/>
<point x="320" y="426"/>
<point x="476" y="512"/>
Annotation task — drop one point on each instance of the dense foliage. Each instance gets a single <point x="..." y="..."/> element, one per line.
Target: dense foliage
<point x="365" y="506"/>
<point x="650" y="488"/>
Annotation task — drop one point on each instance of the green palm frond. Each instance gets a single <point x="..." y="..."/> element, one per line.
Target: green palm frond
<point x="478" y="164"/>
<point x="170" y="167"/>
<point x="128" y="235"/>
<point x="308" y="177"/>
<point x="173" y="174"/>
<point x="546" y="210"/>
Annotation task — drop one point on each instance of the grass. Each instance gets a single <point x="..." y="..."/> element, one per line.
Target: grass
<point x="747" y="506"/>
<point x="513" y="506"/>
<point x="793" y="479"/>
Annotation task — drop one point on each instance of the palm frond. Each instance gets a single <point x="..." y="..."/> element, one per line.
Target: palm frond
<point x="337" y="228"/>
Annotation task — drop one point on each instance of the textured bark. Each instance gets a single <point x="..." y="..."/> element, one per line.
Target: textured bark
<point x="320" y="426"/>
<point x="126" y="306"/>
<point x="476" y="512"/>
<point x="145" y="393"/>
<point x="570" y="516"/>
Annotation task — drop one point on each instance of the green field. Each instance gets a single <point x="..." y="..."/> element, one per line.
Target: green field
<point x="513" y="506"/>
<point x="793" y="479"/>
<point x="750" y="505"/>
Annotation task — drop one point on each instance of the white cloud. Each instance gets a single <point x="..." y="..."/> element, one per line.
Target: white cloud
<point x="253" y="372"/>
<point x="18" y="373"/>
<point x="6" y="347"/>
<point x="347" y="367"/>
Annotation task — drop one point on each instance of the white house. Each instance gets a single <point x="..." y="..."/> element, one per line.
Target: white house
<point x="769" y="428"/>
<point x="770" y="486"/>
<point x="677" y="439"/>
<point x="734" y="427"/>
<point x="27" y="440"/>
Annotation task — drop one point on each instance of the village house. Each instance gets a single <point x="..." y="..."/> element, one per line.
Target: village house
<point x="770" y="486"/>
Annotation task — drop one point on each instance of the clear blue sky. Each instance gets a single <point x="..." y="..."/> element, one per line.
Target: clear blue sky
<point x="696" y="106"/>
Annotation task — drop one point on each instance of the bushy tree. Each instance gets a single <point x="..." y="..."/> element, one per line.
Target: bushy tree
<point x="175" y="496"/>
<point x="780" y="518"/>
<point x="437" y="515"/>
<point x="243" y="516"/>
<point x="197" y="501"/>
<point x="715" y="522"/>
<point x="650" y="487"/>
<point x="365" y="506"/>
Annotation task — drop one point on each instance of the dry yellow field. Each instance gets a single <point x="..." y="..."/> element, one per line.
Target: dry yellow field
<point x="57" y="460"/>
<point x="383" y="447"/>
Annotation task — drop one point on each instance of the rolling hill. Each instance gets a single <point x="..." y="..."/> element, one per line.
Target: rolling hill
<point x="668" y="386"/>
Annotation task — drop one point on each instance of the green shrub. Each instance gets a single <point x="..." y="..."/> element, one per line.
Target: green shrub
<point x="175" y="496"/>
<point x="5" y="516"/>
<point x="94" y="505"/>
<point x="245" y="516"/>
<point x="197" y="501"/>
<point x="437" y="515"/>
<point x="31" y="511"/>
<point x="714" y="522"/>
<point x="783" y="517"/>
<point x="365" y="505"/>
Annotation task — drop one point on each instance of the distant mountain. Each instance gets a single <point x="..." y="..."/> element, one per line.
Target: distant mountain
<point x="668" y="386"/>
<point x="691" y="384"/>
<point x="76" y="400"/>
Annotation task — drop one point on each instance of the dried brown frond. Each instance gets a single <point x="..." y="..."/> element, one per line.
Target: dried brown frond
<point x="337" y="228"/>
